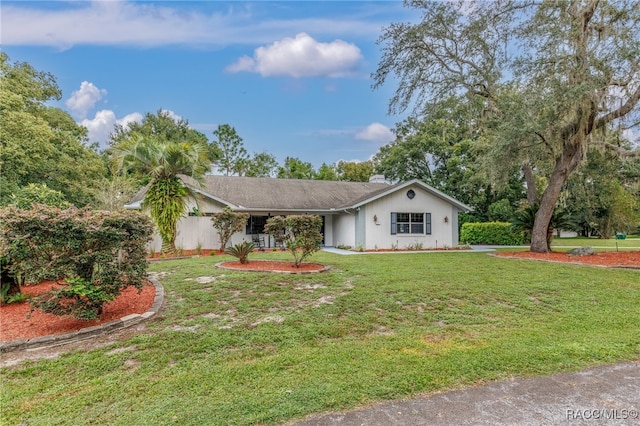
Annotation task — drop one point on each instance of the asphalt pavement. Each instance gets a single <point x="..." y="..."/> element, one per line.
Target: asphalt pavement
<point x="603" y="395"/>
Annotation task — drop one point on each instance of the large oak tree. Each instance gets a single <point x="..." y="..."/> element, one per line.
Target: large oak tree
<point x="554" y="78"/>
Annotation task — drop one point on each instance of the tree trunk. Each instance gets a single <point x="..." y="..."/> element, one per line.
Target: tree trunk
<point x="549" y="237"/>
<point x="571" y="156"/>
<point x="168" y="246"/>
<point x="530" y="179"/>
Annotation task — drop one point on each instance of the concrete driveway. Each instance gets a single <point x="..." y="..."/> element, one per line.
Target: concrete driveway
<point x="604" y="395"/>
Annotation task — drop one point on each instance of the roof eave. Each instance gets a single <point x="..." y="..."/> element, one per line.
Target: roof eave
<point x="421" y="184"/>
<point x="284" y="210"/>
<point x="212" y="197"/>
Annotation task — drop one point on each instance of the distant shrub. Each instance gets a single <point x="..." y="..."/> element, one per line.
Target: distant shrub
<point x="493" y="233"/>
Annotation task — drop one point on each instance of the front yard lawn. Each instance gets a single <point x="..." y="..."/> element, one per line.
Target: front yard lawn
<point x="237" y="348"/>
<point x="598" y="244"/>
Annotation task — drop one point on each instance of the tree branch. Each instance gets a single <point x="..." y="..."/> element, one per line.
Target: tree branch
<point x="621" y="151"/>
<point x="620" y="112"/>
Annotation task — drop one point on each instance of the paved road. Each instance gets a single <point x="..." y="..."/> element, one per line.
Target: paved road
<point x="605" y="395"/>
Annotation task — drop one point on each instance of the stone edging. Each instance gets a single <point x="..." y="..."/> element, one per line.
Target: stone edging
<point x="325" y="268"/>
<point x="89" y="332"/>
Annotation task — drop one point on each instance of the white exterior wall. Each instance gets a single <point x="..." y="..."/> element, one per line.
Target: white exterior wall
<point x="340" y="228"/>
<point x="328" y="230"/>
<point x="344" y="230"/>
<point x="193" y="231"/>
<point x="379" y="234"/>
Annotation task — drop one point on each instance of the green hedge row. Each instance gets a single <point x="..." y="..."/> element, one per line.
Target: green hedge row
<point x="493" y="233"/>
<point x="98" y="253"/>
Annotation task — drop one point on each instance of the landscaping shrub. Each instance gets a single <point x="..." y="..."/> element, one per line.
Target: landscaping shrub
<point x="298" y="233"/>
<point x="241" y="251"/>
<point x="494" y="233"/>
<point x="227" y="222"/>
<point x="104" y="251"/>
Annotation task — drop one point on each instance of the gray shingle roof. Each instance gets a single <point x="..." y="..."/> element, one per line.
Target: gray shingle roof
<point x="294" y="194"/>
<point x="269" y="194"/>
<point x="281" y="194"/>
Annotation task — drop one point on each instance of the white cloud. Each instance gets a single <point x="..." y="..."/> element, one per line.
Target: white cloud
<point x="104" y="122"/>
<point x="376" y="132"/>
<point x="172" y="115"/>
<point x="302" y="56"/>
<point x="134" y="117"/>
<point x="84" y="99"/>
<point x="148" y="24"/>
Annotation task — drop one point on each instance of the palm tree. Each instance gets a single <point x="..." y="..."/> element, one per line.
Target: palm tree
<point x="162" y="162"/>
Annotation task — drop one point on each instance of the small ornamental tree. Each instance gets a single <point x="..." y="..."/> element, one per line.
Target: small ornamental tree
<point x="299" y="233"/>
<point x="227" y="223"/>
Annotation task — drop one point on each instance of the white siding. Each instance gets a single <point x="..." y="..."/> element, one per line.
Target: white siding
<point x="340" y="228"/>
<point x="344" y="230"/>
<point x="328" y="230"/>
<point x="379" y="234"/>
<point x="194" y="231"/>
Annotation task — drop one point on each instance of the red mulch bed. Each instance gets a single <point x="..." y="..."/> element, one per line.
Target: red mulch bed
<point x="187" y="253"/>
<point x="16" y="322"/>
<point x="273" y="266"/>
<point x="626" y="259"/>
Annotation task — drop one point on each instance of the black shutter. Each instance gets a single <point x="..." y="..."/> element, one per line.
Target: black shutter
<point x="427" y="217"/>
<point x="394" y="222"/>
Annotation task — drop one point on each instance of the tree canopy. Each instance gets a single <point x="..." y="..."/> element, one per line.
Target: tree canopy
<point x="441" y="149"/>
<point x="552" y="79"/>
<point x="295" y="168"/>
<point x="40" y="144"/>
<point x="232" y="155"/>
<point x="162" y="125"/>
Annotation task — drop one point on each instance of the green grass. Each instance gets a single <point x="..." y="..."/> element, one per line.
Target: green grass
<point x="630" y="243"/>
<point x="252" y="348"/>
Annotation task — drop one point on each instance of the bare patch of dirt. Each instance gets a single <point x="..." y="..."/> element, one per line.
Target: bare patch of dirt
<point x="10" y="359"/>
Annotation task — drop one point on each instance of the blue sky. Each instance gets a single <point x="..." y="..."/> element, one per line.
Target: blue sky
<point x="293" y="78"/>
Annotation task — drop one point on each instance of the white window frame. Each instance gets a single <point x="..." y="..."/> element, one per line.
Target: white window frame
<point x="426" y="223"/>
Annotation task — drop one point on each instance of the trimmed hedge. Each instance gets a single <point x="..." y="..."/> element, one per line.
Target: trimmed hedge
<point x="493" y="233"/>
<point x="98" y="253"/>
